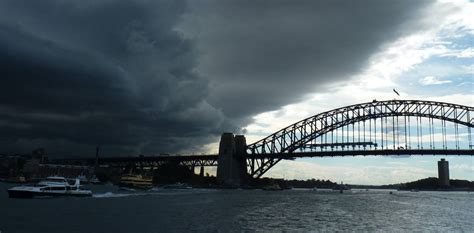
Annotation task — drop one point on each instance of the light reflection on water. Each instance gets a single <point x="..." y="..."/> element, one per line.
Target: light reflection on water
<point x="161" y="210"/>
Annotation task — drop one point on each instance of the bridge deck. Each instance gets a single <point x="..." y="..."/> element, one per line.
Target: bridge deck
<point x="207" y="160"/>
<point x="362" y="153"/>
<point x="106" y="160"/>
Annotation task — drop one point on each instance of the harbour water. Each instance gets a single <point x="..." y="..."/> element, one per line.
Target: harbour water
<point x="202" y="210"/>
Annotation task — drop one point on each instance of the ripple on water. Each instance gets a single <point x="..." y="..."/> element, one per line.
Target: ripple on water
<point x="241" y="210"/>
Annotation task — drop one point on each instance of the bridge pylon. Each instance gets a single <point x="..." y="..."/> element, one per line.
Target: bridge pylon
<point x="232" y="167"/>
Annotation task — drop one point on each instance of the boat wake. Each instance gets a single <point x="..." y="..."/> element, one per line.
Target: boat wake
<point x="149" y="193"/>
<point x="111" y="194"/>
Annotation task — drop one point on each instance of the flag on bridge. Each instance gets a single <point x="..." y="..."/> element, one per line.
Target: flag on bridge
<point x="396" y="92"/>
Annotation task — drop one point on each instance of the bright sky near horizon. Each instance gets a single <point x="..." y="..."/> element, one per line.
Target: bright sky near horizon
<point x="433" y="64"/>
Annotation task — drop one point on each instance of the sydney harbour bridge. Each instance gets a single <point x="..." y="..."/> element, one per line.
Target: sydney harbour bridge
<point x="384" y="128"/>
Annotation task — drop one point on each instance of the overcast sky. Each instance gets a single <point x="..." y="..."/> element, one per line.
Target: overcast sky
<point x="149" y="77"/>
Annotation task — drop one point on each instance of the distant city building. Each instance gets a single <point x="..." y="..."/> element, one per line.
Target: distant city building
<point x="443" y="173"/>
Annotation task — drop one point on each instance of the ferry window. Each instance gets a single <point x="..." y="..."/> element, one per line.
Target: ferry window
<point x="57" y="188"/>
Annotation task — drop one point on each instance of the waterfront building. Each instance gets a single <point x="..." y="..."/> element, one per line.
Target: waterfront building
<point x="443" y="173"/>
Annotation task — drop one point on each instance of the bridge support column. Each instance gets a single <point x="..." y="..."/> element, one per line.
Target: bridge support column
<point x="232" y="168"/>
<point x="201" y="171"/>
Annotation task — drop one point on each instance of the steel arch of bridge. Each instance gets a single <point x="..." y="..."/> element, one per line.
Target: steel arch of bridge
<point x="265" y="153"/>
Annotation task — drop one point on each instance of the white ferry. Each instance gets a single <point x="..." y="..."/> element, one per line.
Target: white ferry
<point x="51" y="186"/>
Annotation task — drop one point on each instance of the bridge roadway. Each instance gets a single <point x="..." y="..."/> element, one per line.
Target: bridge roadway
<point x="212" y="160"/>
<point x="361" y="153"/>
<point x="143" y="161"/>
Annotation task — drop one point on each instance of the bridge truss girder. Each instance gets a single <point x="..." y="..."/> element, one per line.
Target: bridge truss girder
<point x="287" y="140"/>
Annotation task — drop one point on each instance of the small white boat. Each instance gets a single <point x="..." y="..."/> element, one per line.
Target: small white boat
<point x="83" y="179"/>
<point x="94" y="180"/>
<point x="341" y="187"/>
<point x="51" y="186"/>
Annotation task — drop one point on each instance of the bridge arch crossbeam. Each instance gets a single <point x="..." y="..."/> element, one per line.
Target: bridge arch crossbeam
<point x="289" y="139"/>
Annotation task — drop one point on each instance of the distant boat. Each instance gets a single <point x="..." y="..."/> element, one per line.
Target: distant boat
<point x="51" y="186"/>
<point x="94" y="180"/>
<point x="135" y="181"/>
<point x="83" y="179"/>
<point x="341" y="187"/>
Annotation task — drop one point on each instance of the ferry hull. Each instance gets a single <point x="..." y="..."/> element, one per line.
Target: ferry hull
<point x="135" y="186"/>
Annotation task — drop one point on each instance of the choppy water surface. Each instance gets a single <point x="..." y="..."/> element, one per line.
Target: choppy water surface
<point x="240" y="210"/>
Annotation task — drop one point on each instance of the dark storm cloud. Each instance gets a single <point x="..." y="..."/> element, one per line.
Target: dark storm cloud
<point x="163" y="76"/>
<point x="76" y="74"/>
<point x="261" y="55"/>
